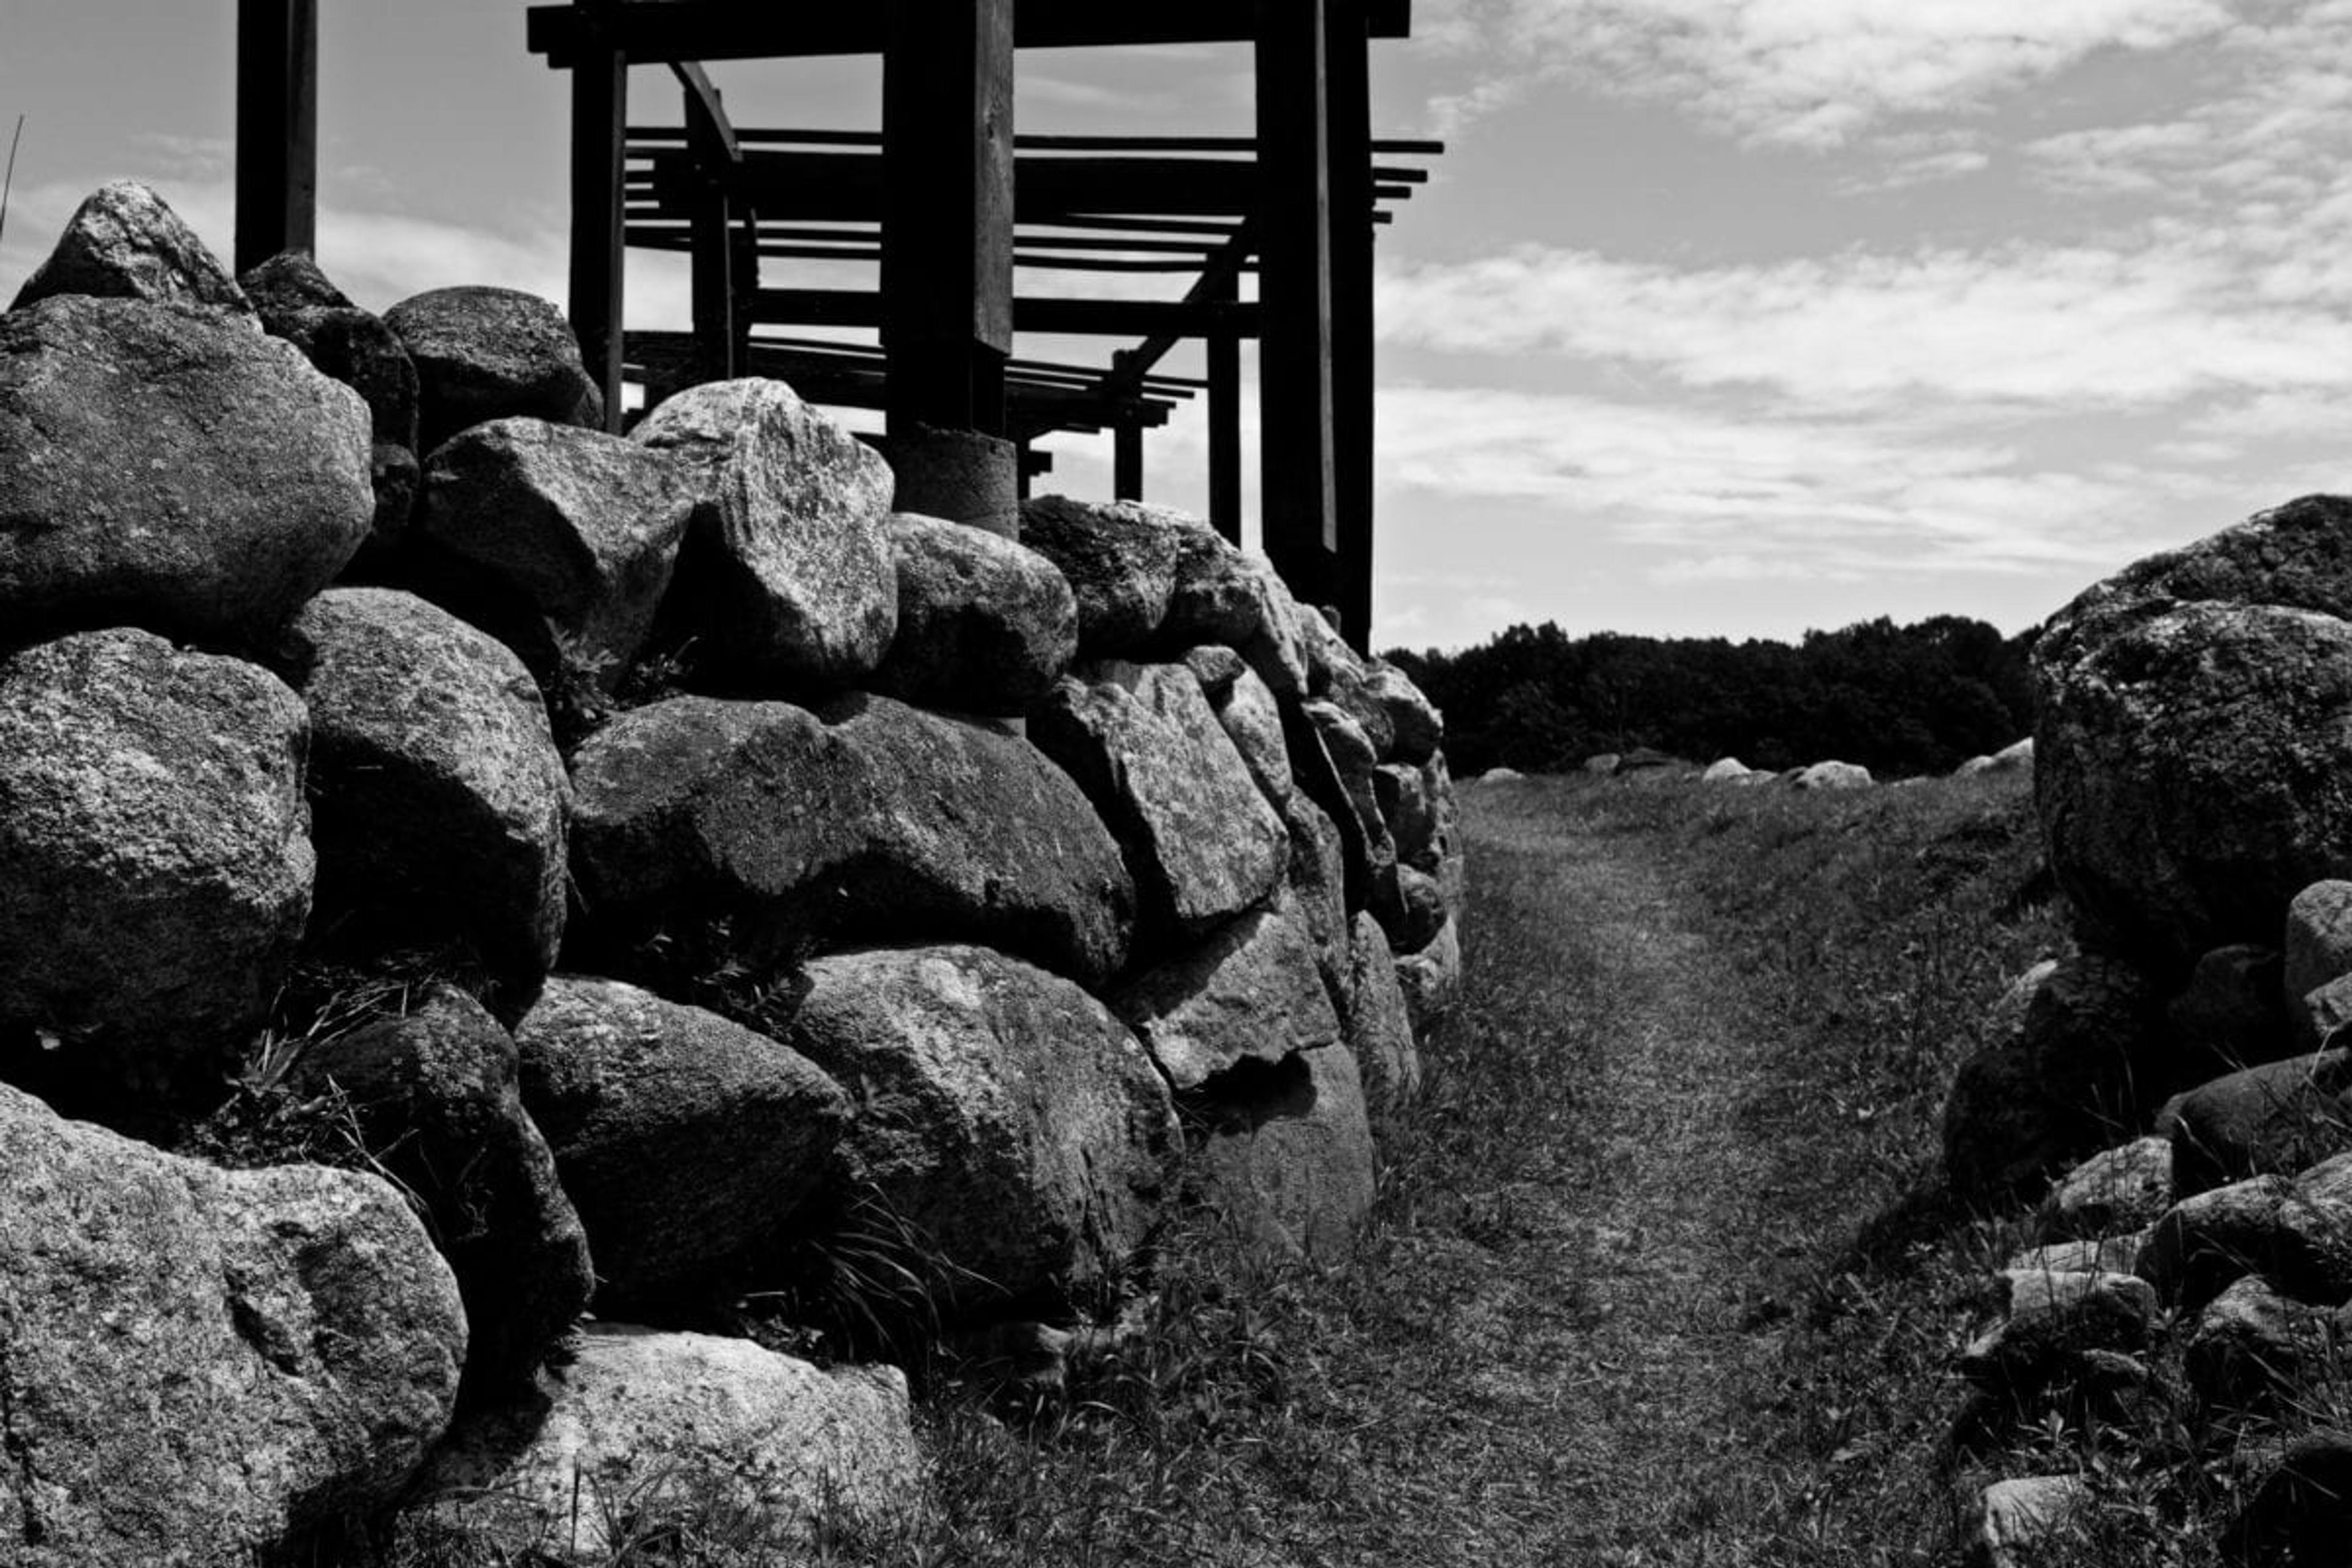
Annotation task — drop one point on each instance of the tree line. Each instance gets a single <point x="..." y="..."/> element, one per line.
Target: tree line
<point x="1900" y="700"/>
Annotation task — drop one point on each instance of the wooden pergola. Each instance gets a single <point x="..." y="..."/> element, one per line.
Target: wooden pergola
<point x="948" y="203"/>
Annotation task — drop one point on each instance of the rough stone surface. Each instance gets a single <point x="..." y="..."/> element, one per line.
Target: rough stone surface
<point x="1286" y="1152"/>
<point x="437" y="796"/>
<point x="2067" y="1067"/>
<point x="1001" y="1110"/>
<point x="298" y="304"/>
<point x="787" y="576"/>
<point x="204" y="1364"/>
<point x="985" y="626"/>
<point x="2253" y="1350"/>
<point x="2233" y="1012"/>
<point x="2298" y="1234"/>
<point x="1349" y="757"/>
<point x="1414" y="723"/>
<point x="670" y="1428"/>
<point x="2301" y="1513"/>
<point x="2054" y="1319"/>
<point x="2126" y="1188"/>
<point x="683" y="1139"/>
<point x="558" y="541"/>
<point x="1222" y="596"/>
<point x="1248" y="708"/>
<point x="156" y="860"/>
<point x="435" y="1093"/>
<point x="1377" y="1028"/>
<point x="1410" y="811"/>
<point x="1833" y="775"/>
<point x="1421" y="910"/>
<point x="2090" y="1255"/>
<point x="1725" y="770"/>
<point x="2318" y="944"/>
<point x="2019" y="1522"/>
<point x="695" y="809"/>
<point x="1120" y="562"/>
<point x="249" y="494"/>
<point x="1315" y="887"/>
<point x="125" y="242"/>
<point x="1201" y="841"/>
<point x="1250" y="993"/>
<point x="489" y="353"/>
<point x="1432" y="979"/>
<point x="2280" y="1118"/>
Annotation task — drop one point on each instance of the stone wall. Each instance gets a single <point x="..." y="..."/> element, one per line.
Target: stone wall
<point x="659" y="857"/>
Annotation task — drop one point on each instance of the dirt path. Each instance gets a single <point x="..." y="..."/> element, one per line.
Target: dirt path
<point x="1580" y="1388"/>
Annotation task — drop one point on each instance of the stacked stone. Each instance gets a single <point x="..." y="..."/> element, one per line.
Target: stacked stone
<point x="326" y="637"/>
<point x="2193" y="737"/>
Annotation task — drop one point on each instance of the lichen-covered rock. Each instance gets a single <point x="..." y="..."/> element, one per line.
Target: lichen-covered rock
<point x="2126" y="1188"/>
<point x="2054" y="1319"/>
<point x="1832" y="775"/>
<point x="2296" y="1233"/>
<point x="2280" y="1118"/>
<point x="786" y="575"/>
<point x="644" y="1432"/>
<point x="1378" y="1029"/>
<point x="489" y="353"/>
<point x="2318" y="946"/>
<point x="434" y="1093"/>
<point x="1253" y="720"/>
<point x="1120" y="562"/>
<point x="1316" y="886"/>
<point x="558" y="540"/>
<point x="1000" y="1109"/>
<point x="684" y="1140"/>
<point x="2253" y="1350"/>
<point x="125" y="242"/>
<point x="696" y="810"/>
<point x="1201" y="841"/>
<point x="1410" y="812"/>
<point x="1416" y="726"/>
<point x="2191" y="758"/>
<point x="1286" y="1152"/>
<point x="985" y="626"/>
<point x="1221" y="595"/>
<point x="1336" y="746"/>
<point x="1250" y="992"/>
<point x="298" y="304"/>
<point x="2233" y="1012"/>
<point x="202" y="1365"/>
<point x="2020" y="1523"/>
<point x="436" y="794"/>
<point x="155" y="861"/>
<point x="2300" y="1514"/>
<point x="248" y="493"/>
<point x="1432" y="979"/>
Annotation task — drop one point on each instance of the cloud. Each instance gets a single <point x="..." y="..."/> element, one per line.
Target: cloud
<point x="1802" y="73"/>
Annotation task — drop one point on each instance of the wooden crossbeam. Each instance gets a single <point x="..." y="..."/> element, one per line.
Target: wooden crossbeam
<point x="1052" y="314"/>
<point x="656" y="32"/>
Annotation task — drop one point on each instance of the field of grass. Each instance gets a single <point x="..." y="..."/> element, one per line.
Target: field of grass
<point x="1661" y="1271"/>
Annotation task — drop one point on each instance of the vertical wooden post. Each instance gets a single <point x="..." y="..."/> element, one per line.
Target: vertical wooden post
<point x="600" y="108"/>
<point x="1224" y="368"/>
<point x="277" y="129"/>
<point x="1127" y="462"/>
<point x="1295" y="410"/>
<point x="1348" y="62"/>
<point x="947" y="213"/>
<point x="713" y="253"/>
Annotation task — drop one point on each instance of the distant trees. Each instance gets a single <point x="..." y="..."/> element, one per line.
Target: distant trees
<point x="1897" y="699"/>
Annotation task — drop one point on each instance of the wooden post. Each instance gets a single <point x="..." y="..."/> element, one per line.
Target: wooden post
<point x="1295" y="410"/>
<point x="947" y="213"/>
<point x="711" y="262"/>
<point x="1224" y="368"/>
<point x="1348" y="61"/>
<point x="600" y="109"/>
<point x="1127" y="462"/>
<point x="277" y="129"/>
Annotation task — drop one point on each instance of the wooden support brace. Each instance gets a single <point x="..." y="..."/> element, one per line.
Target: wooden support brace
<point x="277" y="129"/>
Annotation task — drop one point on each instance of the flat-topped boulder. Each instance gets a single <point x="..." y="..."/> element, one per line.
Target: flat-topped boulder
<point x="155" y="860"/>
<point x="1000" y="1111"/>
<point x="483" y="353"/>
<point x="1120" y="560"/>
<point x="204" y="1364"/>
<point x="985" y="626"/>
<point x="1201" y="840"/>
<point x="698" y="809"/>
<point x="250" y="493"/>
<point x="786" y="578"/>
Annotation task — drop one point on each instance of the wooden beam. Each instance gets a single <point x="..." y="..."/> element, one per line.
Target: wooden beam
<point x="659" y="31"/>
<point x="947" y="212"/>
<point x="1225" y="357"/>
<point x="600" y="103"/>
<point x="1348" y="109"/>
<point x="277" y="129"/>
<point x="717" y="293"/>
<point x="1295" y="404"/>
<point x="1052" y="314"/>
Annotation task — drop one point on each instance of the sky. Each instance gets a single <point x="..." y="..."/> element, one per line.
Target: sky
<point x="1724" y="317"/>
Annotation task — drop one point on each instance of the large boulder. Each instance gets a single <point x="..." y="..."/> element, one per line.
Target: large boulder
<point x="2280" y="1118"/>
<point x="125" y="242"/>
<point x="203" y="1365"/>
<point x="1413" y="720"/>
<point x="1331" y="752"/>
<point x="1221" y="595"/>
<point x="1120" y="560"/>
<point x="2300" y="1514"/>
<point x="2254" y="1350"/>
<point x="435" y="1094"/>
<point x="437" y="792"/>
<point x="697" y="810"/>
<point x="1201" y="841"/>
<point x="984" y="625"/>
<point x="2191" y="736"/>
<point x="684" y="1140"/>
<point x="2318" y="947"/>
<point x="2296" y="1233"/>
<point x="1432" y="978"/>
<point x="1246" y="707"/>
<point x="1287" y="1153"/>
<point x="249" y="493"/>
<point x="1374" y="1019"/>
<point x="787" y="576"/>
<point x="489" y="353"/>
<point x="2118" y="1190"/>
<point x="1250" y="992"/>
<point x="156" y="860"/>
<point x="1000" y="1111"/>
<point x="558" y="541"/>
<point x="2233" y="1012"/>
<point x="1315" y="888"/>
<point x="646" y="1433"/>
